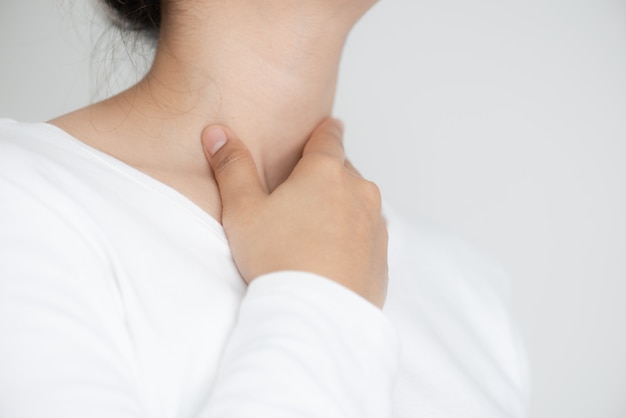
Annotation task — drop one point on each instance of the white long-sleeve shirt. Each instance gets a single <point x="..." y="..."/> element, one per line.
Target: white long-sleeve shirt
<point x="119" y="298"/>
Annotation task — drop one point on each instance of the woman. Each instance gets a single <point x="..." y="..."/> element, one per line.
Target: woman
<point x="123" y="296"/>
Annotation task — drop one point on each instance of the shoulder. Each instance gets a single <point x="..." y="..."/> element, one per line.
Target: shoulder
<point x="31" y="153"/>
<point x="42" y="161"/>
<point x="60" y="310"/>
<point x="31" y="141"/>
<point x="20" y="138"/>
<point x="40" y="187"/>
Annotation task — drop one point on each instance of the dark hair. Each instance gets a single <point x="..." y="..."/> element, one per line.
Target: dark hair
<point x="137" y="15"/>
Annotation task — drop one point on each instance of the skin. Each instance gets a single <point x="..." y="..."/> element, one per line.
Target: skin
<point x="266" y="73"/>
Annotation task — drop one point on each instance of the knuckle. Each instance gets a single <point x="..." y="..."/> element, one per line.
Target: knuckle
<point x="372" y="195"/>
<point x="326" y="164"/>
<point x="229" y="159"/>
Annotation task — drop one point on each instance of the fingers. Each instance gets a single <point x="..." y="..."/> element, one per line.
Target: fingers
<point x="327" y="139"/>
<point x="233" y="168"/>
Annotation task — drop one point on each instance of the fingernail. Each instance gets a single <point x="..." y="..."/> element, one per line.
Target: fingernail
<point x="214" y="138"/>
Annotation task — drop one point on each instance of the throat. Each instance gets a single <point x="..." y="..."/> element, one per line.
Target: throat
<point x="270" y="82"/>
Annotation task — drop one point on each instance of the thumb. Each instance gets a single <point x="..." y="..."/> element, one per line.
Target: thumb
<point x="233" y="168"/>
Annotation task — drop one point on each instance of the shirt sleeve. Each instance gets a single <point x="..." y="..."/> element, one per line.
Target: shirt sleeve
<point x="304" y="346"/>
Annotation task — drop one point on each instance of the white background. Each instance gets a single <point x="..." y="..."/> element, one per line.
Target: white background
<point x="503" y="121"/>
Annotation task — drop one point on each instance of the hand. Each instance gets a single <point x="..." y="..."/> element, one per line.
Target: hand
<point x="324" y="219"/>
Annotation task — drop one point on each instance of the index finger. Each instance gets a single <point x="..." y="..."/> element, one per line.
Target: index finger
<point x="327" y="139"/>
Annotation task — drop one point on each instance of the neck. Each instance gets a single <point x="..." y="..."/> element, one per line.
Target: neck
<point x="267" y="72"/>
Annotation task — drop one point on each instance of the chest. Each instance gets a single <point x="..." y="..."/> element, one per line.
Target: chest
<point x="180" y="306"/>
<point x="177" y="286"/>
